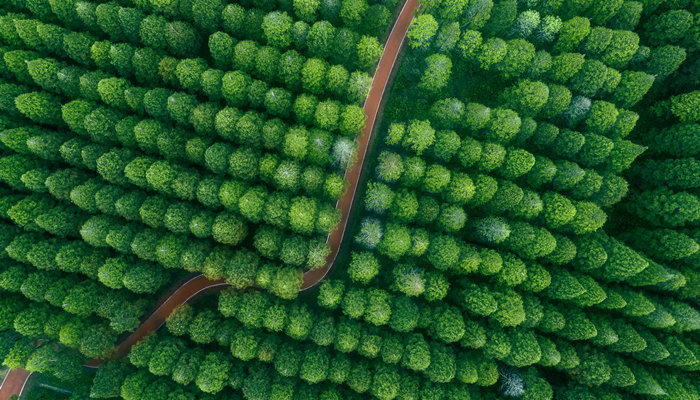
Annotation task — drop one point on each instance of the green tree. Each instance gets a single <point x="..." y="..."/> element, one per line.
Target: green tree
<point x="369" y="50"/>
<point x="363" y="267"/>
<point x="685" y="106"/>
<point x="320" y="39"/>
<point x="352" y="12"/>
<point x="277" y="28"/>
<point x="421" y="32"/>
<point x="668" y="27"/>
<point x="437" y="73"/>
<point x="314" y="365"/>
<point x="213" y="373"/>
<point x="419" y="136"/>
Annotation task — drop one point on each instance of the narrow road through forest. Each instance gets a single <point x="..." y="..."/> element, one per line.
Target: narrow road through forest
<point x="197" y="285"/>
<point x="14" y="382"/>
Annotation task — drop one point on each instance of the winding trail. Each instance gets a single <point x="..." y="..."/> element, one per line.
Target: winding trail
<point x="197" y="285"/>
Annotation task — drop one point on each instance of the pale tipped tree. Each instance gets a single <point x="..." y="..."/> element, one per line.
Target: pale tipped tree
<point x="389" y="167"/>
<point x="511" y="382"/>
<point x="343" y="152"/>
<point x="409" y="279"/>
<point x="371" y="231"/>
<point x="525" y="24"/>
<point x="437" y="74"/>
<point x="577" y="110"/>
<point x="548" y="29"/>
<point x="490" y="230"/>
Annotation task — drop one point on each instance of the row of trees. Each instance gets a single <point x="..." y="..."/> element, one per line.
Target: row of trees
<point x="276" y="28"/>
<point x="208" y="119"/>
<point x="91" y="336"/>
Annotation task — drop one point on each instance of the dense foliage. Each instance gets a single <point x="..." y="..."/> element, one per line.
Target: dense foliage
<point x="528" y="226"/>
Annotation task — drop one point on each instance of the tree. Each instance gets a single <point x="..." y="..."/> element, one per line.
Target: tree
<point x="469" y="44"/>
<point x="662" y="244"/>
<point x="354" y="303"/>
<point x="490" y="230"/>
<point x="109" y="379"/>
<point x="299" y="323"/>
<point x="437" y="73"/>
<point x="665" y="60"/>
<point x="244" y="345"/>
<point x="306" y="9"/>
<point x="525" y="24"/>
<point x="663" y="207"/>
<point x="633" y="85"/>
<point x="320" y="39"/>
<point x="389" y="167"/>
<point x="548" y="28"/>
<point x="419" y="136"/>
<point x="352" y="12"/>
<point x="685" y="106"/>
<point x="447" y="144"/>
<point x="518" y="57"/>
<point x="39" y="107"/>
<point x="395" y="242"/>
<point x="181" y="38"/>
<point x="448" y="324"/>
<point x="302" y="215"/>
<point x="97" y="341"/>
<point x="378" y="309"/>
<point x="421" y="32"/>
<point x="206" y="15"/>
<point x="572" y="32"/>
<point x="277" y="27"/>
<point x="442" y="368"/>
<point x="290" y="65"/>
<point x="327" y="115"/>
<point x="134" y="385"/>
<point x="221" y="49"/>
<point x="623" y="46"/>
<point x="369" y="50"/>
<point x="385" y="382"/>
<point x="417" y="353"/>
<point x="164" y="357"/>
<point x="314" y="366"/>
<point x="295" y="143"/>
<point x="526" y="97"/>
<point x="358" y="86"/>
<point x="668" y="27"/>
<point x="363" y="267"/>
<point x="594" y="369"/>
<point x="213" y="373"/>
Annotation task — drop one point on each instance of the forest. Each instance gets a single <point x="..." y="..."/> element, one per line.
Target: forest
<point x="520" y="219"/>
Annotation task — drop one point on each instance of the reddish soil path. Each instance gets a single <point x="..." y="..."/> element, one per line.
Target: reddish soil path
<point x="371" y="107"/>
<point x="14" y="382"/>
<point x="194" y="286"/>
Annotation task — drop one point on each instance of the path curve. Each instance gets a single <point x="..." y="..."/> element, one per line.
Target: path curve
<point x="197" y="285"/>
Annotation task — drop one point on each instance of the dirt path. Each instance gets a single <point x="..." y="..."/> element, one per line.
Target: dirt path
<point x="371" y="107"/>
<point x="14" y="382"/>
<point x="197" y="285"/>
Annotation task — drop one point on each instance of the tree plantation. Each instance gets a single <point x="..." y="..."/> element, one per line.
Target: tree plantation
<point x="350" y="199"/>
